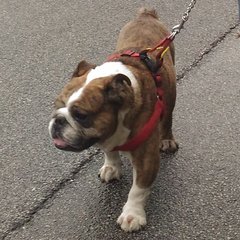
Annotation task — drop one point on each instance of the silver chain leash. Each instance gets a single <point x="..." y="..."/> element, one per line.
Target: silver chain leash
<point x="176" y="29"/>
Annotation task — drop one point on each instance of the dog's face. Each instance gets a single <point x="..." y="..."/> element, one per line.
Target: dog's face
<point x="86" y="111"/>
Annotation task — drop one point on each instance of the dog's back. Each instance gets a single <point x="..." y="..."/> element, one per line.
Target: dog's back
<point x="145" y="31"/>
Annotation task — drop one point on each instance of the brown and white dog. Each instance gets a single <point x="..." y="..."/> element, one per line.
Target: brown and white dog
<point x="106" y="105"/>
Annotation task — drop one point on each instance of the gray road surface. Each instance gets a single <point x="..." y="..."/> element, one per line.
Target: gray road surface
<point x="48" y="194"/>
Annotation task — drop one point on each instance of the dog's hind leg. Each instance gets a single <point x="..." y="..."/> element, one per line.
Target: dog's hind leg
<point x="167" y="141"/>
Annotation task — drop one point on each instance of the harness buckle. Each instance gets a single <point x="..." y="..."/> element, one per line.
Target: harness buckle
<point x="151" y="65"/>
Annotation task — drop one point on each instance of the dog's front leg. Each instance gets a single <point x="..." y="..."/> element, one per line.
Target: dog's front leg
<point x="145" y="169"/>
<point x="111" y="168"/>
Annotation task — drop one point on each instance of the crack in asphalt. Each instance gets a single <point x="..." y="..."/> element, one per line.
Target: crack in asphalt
<point x="206" y="51"/>
<point x="60" y="185"/>
<point x="64" y="182"/>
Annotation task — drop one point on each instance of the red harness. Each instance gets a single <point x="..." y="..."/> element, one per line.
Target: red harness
<point x="148" y="128"/>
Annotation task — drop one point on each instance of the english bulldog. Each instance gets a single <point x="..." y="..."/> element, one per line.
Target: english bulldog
<point x="107" y="105"/>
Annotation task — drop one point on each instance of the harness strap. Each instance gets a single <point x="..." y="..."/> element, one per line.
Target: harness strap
<point x="127" y="53"/>
<point x="146" y="130"/>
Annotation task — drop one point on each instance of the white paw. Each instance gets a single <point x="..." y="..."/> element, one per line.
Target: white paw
<point x="132" y="219"/>
<point x="109" y="172"/>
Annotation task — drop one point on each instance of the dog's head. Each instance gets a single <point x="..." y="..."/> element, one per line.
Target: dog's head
<point x="86" y="111"/>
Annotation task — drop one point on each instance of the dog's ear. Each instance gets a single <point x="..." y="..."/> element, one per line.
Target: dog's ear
<point x="82" y="68"/>
<point x="117" y="89"/>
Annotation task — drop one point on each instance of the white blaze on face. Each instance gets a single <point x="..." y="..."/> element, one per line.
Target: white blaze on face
<point x="75" y="96"/>
<point x="105" y="70"/>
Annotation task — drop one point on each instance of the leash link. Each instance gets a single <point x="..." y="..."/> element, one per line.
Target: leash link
<point x="176" y="29"/>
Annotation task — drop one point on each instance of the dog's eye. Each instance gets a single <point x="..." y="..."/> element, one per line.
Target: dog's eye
<point x="82" y="118"/>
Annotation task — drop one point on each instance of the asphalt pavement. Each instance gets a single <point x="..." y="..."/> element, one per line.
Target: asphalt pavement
<point x="48" y="194"/>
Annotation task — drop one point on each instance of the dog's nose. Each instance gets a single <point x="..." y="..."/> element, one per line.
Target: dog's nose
<point x="60" y="121"/>
<point x="58" y="125"/>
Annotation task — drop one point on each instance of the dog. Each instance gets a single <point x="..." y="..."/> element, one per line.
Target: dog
<point x="107" y="105"/>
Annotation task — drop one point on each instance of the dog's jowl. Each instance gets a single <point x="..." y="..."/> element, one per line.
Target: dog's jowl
<point x="107" y="105"/>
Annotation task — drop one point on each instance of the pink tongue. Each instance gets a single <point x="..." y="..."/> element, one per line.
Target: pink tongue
<point x="59" y="142"/>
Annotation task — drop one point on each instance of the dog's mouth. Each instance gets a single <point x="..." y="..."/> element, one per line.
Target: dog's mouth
<point x="59" y="143"/>
<point x="77" y="147"/>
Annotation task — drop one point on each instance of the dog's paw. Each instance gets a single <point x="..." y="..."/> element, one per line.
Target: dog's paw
<point x="109" y="172"/>
<point x="132" y="219"/>
<point x="168" y="146"/>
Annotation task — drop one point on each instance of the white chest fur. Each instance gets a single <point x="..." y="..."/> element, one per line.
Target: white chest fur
<point x="119" y="137"/>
